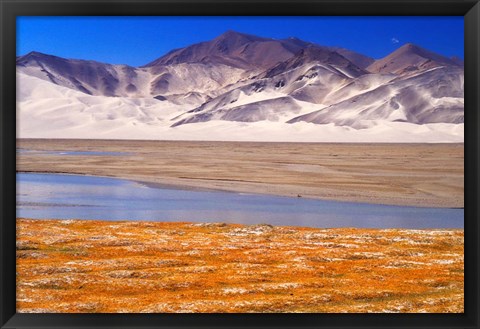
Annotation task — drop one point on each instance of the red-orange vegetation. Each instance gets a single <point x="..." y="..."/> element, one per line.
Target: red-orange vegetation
<point x="98" y="266"/>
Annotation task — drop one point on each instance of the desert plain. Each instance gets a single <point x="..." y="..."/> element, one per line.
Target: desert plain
<point x="100" y="266"/>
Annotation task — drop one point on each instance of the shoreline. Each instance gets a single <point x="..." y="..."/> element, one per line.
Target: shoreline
<point x="173" y="186"/>
<point x="233" y="224"/>
<point x="224" y="224"/>
<point x="419" y="175"/>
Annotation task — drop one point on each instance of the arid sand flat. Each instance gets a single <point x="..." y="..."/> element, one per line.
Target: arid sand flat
<point x="94" y="266"/>
<point x="399" y="174"/>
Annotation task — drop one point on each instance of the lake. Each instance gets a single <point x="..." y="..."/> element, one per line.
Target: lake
<point x="94" y="153"/>
<point x="86" y="197"/>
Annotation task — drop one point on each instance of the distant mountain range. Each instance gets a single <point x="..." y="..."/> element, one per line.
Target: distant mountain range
<point x="259" y="86"/>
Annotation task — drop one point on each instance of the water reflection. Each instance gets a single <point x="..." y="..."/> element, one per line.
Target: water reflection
<point x="86" y="197"/>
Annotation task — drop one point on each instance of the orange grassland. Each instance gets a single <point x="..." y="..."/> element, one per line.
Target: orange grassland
<point x="97" y="266"/>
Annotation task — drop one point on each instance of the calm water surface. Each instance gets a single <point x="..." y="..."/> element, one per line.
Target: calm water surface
<point x="87" y="197"/>
<point x="94" y="153"/>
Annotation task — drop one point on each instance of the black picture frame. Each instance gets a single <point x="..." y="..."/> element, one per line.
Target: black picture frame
<point x="10" y="9"/>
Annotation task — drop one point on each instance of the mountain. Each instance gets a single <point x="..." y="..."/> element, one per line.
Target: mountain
<point x="410" y="58"/>
<point x="234" y="49"/>
<point x="420" y="99"/>
<point x="309" y="76"/>
<point x="244" y="87"/>
<point x="89" y="77"/>
<point x="102" y="79"/>
<point x="359" y="60"/>
<point x="458" y="61"/>
<point x="312" y="54"/>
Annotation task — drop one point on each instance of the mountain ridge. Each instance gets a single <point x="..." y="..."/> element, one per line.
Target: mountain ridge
<point x="409" y="57"/>
<point x="243" y="78"/>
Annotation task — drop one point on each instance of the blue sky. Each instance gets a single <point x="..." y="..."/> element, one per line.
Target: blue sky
<point x="138" y="40"/>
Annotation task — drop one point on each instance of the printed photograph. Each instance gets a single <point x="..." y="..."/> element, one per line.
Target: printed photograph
<point x="201" y="164"/>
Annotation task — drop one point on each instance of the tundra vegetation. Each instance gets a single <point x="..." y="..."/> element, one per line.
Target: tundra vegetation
<point x="85" y="266"/>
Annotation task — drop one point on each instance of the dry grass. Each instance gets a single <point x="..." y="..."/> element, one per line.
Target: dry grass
<point x="98" y="266"/>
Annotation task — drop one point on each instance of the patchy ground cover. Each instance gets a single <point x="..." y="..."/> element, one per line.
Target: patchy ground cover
<point x="98" y="266"/>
